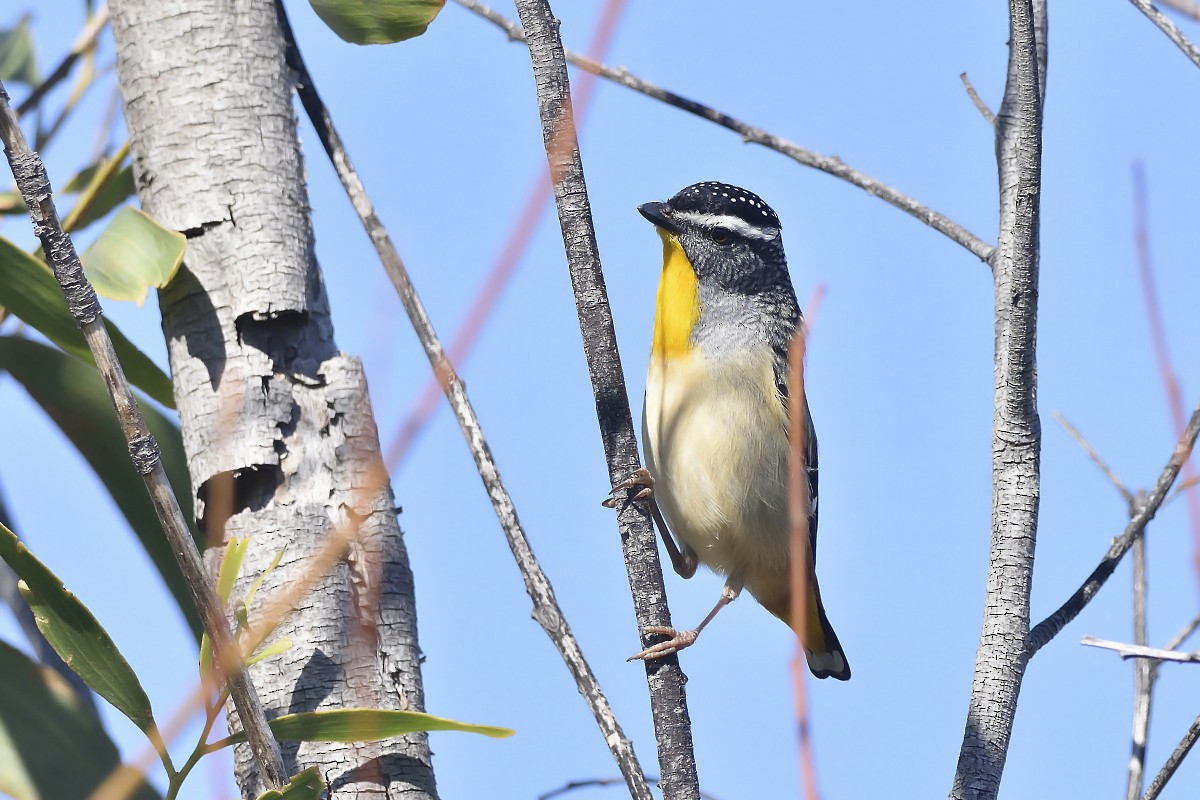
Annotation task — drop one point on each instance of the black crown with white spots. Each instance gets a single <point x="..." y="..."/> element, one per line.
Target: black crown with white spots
<point x="714" y="197"/>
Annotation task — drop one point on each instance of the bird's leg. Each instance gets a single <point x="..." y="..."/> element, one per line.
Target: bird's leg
<point x="681" y="639"/>
<point x="683" y="558"/>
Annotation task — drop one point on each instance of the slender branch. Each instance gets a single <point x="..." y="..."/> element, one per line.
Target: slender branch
<point x="1095" y="457"/>
<point x="1173" y="761"/>
<point x="799" y="507"/>
<point x="1170" y="29"/>
<point x="546" y="609"/>
<point x="1158" y="339"/>
<point x="977" y="100"/>
<point x="1144" y="673"/>
<point x="830" y="165"/>
<point x="1048" y="628"/>
<point x="83" y="43"/>
<point x="1141" y="652"/>
<point x="1016" y="430"/>
<point x="1183" y="635"/>
<point x="668" y="699"/>
<point x="81" y="301"/>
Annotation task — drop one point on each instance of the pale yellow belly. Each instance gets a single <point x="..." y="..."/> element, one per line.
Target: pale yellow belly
<point x="715" y="441"/>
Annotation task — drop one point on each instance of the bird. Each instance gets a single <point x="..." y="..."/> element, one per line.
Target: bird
<point x="715" y="416"/>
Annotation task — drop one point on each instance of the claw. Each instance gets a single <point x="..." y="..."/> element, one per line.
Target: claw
<point x="678" y="641"/>
<point x="640" y="478"/>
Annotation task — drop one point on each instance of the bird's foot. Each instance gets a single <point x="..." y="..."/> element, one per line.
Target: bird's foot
<point x="640" y="478"/>
<point x="678" y="641"/>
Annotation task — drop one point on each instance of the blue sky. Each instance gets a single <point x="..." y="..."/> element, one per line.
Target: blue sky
<point x="445" y="133"/>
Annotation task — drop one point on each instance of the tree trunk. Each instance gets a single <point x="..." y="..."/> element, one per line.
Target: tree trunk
<point x="265" y="397"/>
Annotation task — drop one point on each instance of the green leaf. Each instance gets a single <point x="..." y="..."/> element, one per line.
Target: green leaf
<point x="50" y="746"/>
<point x="11" y="202"/>
<point x="28" y="290"/>
<point x="231" y="565"/>
<point x="305" y="786"/>
<point x="377" y="21"/>
<point x="273" y="649"/>
<point x="18" y="61"/>
<point x="73" y="395"/>
<point x="363" y="725"/>
<point x="115" y="191"/>
<point x="75" y="635"/>
<point x="131" y="255"/>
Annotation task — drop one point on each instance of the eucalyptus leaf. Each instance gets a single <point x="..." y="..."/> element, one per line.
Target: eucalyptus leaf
<point x="73" y="395"/>
<point x="28" y="290"/>
<point x="116" y="190"/>
<point x="50" y="745"/>
<point x="377" y="21"/>
<point x="131" y="255"/>
<point x="305" y="786"/>
<point x="18" y="59"/>
<point x="227" y="572"/>
<point x="363" y="725"/>
<point x="76" y="636"/>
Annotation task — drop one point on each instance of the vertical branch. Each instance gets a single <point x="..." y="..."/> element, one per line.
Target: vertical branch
<point x="1143" y="675"/>
<point x="668" y="700"/>
<point x="1016" y="431"/>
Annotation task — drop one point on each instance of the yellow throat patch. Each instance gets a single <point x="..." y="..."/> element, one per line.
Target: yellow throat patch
<point x="678" y="306"/>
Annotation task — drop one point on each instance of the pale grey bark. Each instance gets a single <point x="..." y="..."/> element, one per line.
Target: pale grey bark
<point x="263" y="392"/>
<point x="1016" y="431"/>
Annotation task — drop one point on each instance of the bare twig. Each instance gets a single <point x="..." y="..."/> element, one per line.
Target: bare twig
<point x="1158" y="338"/>
<point x="830" y="165"/>
<point x="1128" y="651"/>
<point x="1048" y="628"/>
<point x="1173" y="761"/>
<point x="799" y="506"/>
<point x="1143" y="671"/>
<point x="668" y="699"/>
<point x="81" y="301"/>
<point x="1095" y="457"/>
<point x="545" y="606"/>
<point x="1170" y="29"/>
<point x="83" y="43"/>
<point x="1187" y="7"/>
<point x="1016" y="430"/>
<point x="592" y="783"/>
<point x="977" y="100"/>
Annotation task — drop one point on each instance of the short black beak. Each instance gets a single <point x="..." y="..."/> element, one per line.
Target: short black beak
<point x="657" y="213"/>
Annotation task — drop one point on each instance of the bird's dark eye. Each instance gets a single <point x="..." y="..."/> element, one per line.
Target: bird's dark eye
<point x="721" y="235"/>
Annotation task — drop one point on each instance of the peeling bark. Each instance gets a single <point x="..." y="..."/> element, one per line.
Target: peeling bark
<point x="264" y="394"/>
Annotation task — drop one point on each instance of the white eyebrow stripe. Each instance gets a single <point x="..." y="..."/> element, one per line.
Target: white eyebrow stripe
<point x="734" y="223"/>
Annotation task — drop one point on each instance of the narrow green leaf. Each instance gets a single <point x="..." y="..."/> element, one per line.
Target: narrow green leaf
<point x="377" y="21"/>
<point x="11" y="202"/>
<point x="18" y="60"/>
<point x="73" y="395"/>
<point x="273" y="649"/>
<point x="231" y="565"/>
<point x="305" y="786"/>
<point x="28" y="290"/>
<point x="258" y="582"/>
<point x="75" y="635"/>
<point x="115" y="191"/>
<point x="131" y="255"/>
<point x="363" y="725"/>
<point x="48" y="737"/>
